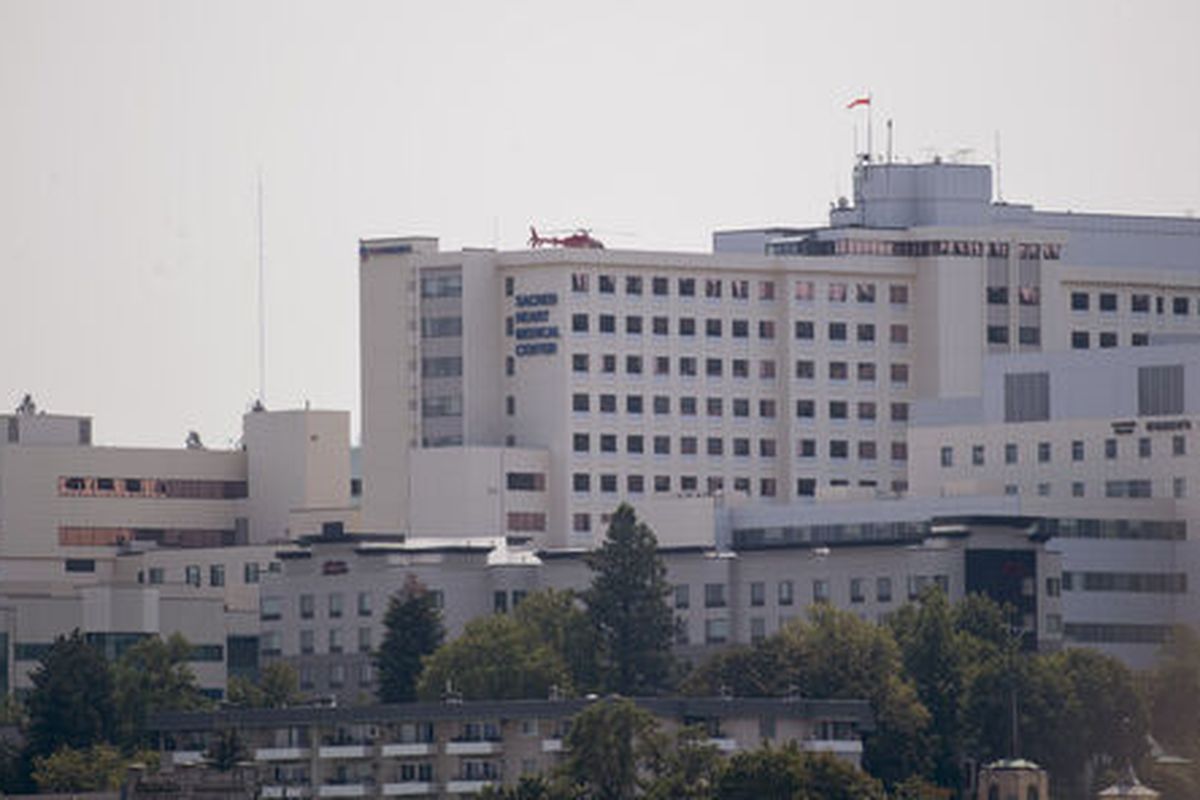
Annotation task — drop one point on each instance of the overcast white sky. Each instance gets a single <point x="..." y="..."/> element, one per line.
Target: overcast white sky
<point x="131" y="134"/>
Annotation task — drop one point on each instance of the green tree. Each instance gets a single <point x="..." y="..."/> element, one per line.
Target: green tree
<point x="609" y="744"/>
<point x="496" y="658"/>
<point x="527" y="787"/>
<point x="557" y="619"/>
<point x="278" y="687"/>
<point x="627" y="604"/>
<point x="226" y="750"/>
<point x="412" y="630"/>
<point x="789" y="774"/>
<point x="686" y="769"/>
<point x="1174" y="694"/>
<point x="71" y="704"/>
<point x="153" y="676"/>
<point x="97" y="768"/>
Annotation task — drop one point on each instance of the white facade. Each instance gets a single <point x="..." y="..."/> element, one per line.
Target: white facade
<point x="780" y="367"/>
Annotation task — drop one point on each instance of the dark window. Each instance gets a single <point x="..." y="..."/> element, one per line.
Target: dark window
<point x="1108" y="339"/>
<point x="712" y="327"/>
<point x="633" y="324"/>
<point x="687" y="326"/>
<point x="997" y="334"/>
<point x="608" y="323"/>
<point x="662" y="404"/>
<point x="1080" y="340"/>
<point x="1079" y="301"/>
<point x="804" y="329"/>
<point x="1181" y="306"/>
<point x="837" y="331"/>
<point x="1108" y="301"/>
<point x="633" y="285"/>
<point x="659" y="286"/>
<point x="741" y="328"/>
<point x="633" y="404"/>
<point x="659" y="326"/>
<point x="581" y="482"/>
<point x="687" y="287"/>
<point x="579" y="323"/>
<point x="1027" y="397"/>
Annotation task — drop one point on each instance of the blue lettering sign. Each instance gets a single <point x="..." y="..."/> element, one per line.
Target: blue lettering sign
<point x="527" y="300"/>
<point x="541" y="332"/>
<point x="533" y="316"/>
<point x="537" y="349"/>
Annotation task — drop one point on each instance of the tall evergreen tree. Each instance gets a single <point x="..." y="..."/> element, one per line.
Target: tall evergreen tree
<point x="153" y="676"/>
<point x="627" y="604"/>
<point x="412" y="630"/>
<point x="72" y="699"/>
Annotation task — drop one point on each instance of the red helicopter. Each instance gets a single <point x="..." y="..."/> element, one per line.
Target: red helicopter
<point x="580" y="239"/>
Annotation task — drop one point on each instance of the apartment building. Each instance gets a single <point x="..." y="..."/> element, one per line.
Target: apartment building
<point x="1106" y="435"/>
<point x="323" y="611"/>
<point x="457" y="749"/>
<point x="780" y="367"/>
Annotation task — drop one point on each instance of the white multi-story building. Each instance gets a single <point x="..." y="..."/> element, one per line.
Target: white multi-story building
<point x="1109" y="437"/>
<point x="124" y="543"/>
<point x="782" y="366"/>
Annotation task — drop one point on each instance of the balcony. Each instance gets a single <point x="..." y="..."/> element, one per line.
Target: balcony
<point x="405" y="750"/>
<point x="476" y="748"/>
<point x="187" y="758"/>
<point x="343" y="790"/>
<point x="843" y="747"/>
<point x="344" y="751"/>
<point x="408" y="788"/>
<point x="552" y="745"/>
<point x="273" y="791"/>
<point x="281" y="753"/>
<point x="467" y="786"/>
<point x="724" y="744"/>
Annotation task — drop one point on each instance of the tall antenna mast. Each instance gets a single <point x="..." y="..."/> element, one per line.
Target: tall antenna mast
<point x="999" y="187"/>
<point x="262" y="302"/>
<point x="870" y="114"/>
<point x="889" y="152"/>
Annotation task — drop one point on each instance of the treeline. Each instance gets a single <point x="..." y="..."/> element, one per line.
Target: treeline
<point x="945" y="682"/>
<point x="84" y="722"/>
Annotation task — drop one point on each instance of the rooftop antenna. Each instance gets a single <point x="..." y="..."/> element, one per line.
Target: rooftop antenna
<point x="999" y="187"/>
<point x="262" y="301"/>
<point x="889" y="150"/>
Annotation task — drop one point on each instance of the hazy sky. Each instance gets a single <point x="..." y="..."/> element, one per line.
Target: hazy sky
<point x="131" y="134"/>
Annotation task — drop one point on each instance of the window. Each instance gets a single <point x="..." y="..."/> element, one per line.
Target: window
<point x="758" y="593"/>
<point x="837" y="409"/>
<point x="997" y="334"/>
<point x="579" y="323"/>
<point x="857" y="591"/>
<point x="820" y="588"/>
<point x="786" y="593"/>
<point x="766" y="408"/>
<point x="687" y="326"/>
<point x="662" y="404"/>
<point x="579" y="362"/>
<point x="662" y="483"/>
<point x="899" y="412"/>
<point x="681" y="596"/>
<point x="740" y="328"/>
<point x="766" y="369"/>
<point x="633" y="404"/>
<point x="947" y="456"/>
<point x="805" y="291"/>
<point x="216" y="575"/>
<point x="740" y="368"/>
<point x="581" y="482"/>
<point x="579" y="401"/>
<point x="635" y="484"/>
<point x="805" y="369"/>
<point x="866" y="450"/>
<point x="716" y="631"/>
<point x="838" y="371"/>
<point x="1179" y="445"/>
<point x="1079" y="301"/>
<point x="899" y="374"/>
<point x="634" y="444"/>
<point x="191" y="575"/>
<point x="806" y="448"/>
<point x="715" y="446"/>
<point x="806" y="487"/>
<point x="837" y="293"/>
<point x="712" y="367"/>
<point x="1140" y="303"/>
<point x="1180" y="306"/>
<point x="712" y="288"/>
<point x="608" y="284"/>
<point x="806" y="408"/>
<point x="714" y="595"/>
<point x="1027" y="397"/>
<point x="687" y="406"/>
<point x="662" y="365"/>
<point x="712" y="328"/>
<point x="608" y="403"/>
<point x="1010" y="453"/>
<point x="766" y="329"/>
<point x="608" y="443"/>
<point x="660" y="326"/>
<point x="1144" y="447"/>
<point x="837" y="331"/>
<point x="608" y="483"/>
<point x="580" y="443"/>
<point x="579" y="282"/>
<point x="741" y="446"/>
<point x="687" y="445"/>
<point x="335" y="642"/>
<point x="804" y="329"/>
<point x="662" y="445"/>
<point x="1029" y="335"/>
<point x="659" y="286"/>
<point x="633" y="365"/>
<point x="1110" y="449"/>
<point x="899" y="451"/>
<point x="249" y="572"/>
<point x="608" y="364"/>
<point x="1108" y="338"/>
<point x="898" y="294"/>
<point x="687" y="287"/>
<point x="1077" y="450"/>
<point x="1108" y="301"/>
<point x="1080" y="340"/>
<point x="1077" y="489"/>
<point x="865" y="332"/>
<point x="1043" y="452"/>
<point x="633" y="285"/>
<point x="883" y="590"/>
<point x="977" y="455"/>
<point x="687" y="366"/>
<point x="1160" y="390"/>
<point x="633" y="324"/>
<point x="335" y="605"/>
<point x="307" y="606"/>
<point x="839" y="448"/>
<point x="866" y="371"/>
<point x="581" y="523"/>
<point x="898" y="334"/>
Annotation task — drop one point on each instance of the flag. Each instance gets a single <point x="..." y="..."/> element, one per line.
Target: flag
<point x="859" y="101"/>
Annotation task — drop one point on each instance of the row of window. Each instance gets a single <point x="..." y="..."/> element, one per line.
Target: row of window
<point x="635" y="444"/>
<point x="1082" y="340"/>
<point x="1133" y="488"/>
<point x="1135" y="582"/>
<point x="739" y="288"/>
<point x="1044" y="451"/>
<point x="335" y="641"/>
<point x="1138" y="303"/>
<point x="714" y="328"/>
<point x="688" y="406"/>
<point x="193" y="574"/>
<point x="688" y="367"/>
<point x="175" y="488"/>
<point x="716" y="594"/>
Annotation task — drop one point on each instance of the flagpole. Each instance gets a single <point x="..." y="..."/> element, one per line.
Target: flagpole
<point x="869" y="115"/>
